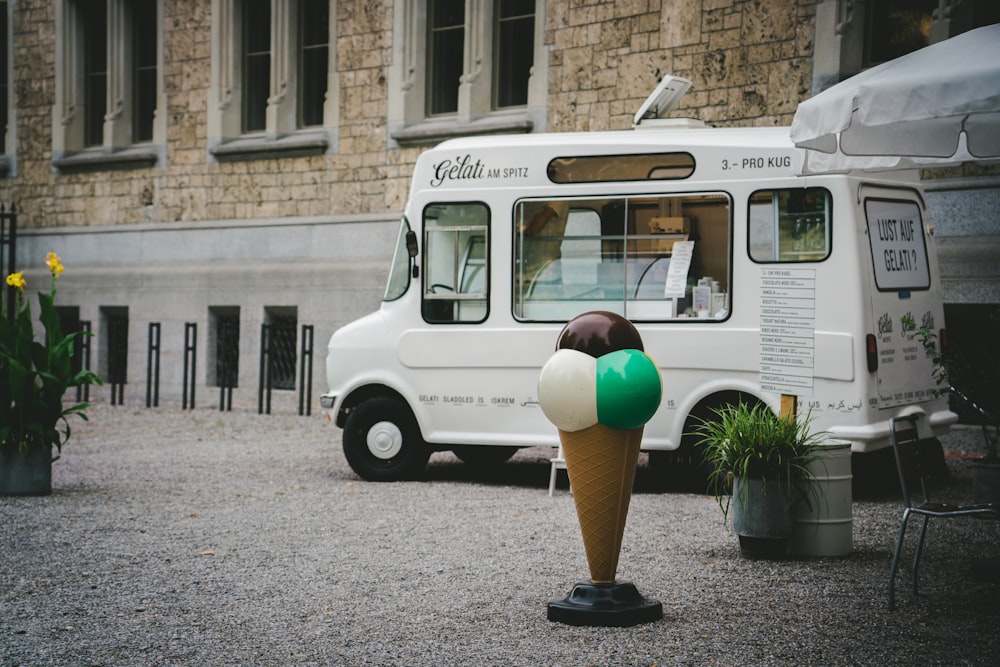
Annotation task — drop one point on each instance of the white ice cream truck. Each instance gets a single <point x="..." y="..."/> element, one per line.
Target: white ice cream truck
<point x="744" y="280"/>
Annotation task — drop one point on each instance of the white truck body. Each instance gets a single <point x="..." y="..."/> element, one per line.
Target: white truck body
<point x="743" y="279"/>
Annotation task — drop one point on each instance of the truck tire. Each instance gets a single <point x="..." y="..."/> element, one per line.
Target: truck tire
<point x="382" y="441"/>
<point x="684" y="470"/>
<point x="681" y="470"/>
<point x="484" y="456"/>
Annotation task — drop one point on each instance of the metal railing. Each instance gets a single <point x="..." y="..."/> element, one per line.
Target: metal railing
<point x="83" y="349"/>
<point x="227" y="359"/>
<point x="153" y="366"/>
<point x="277" y="364"/>
<point x="117" y="348"/>
<point x="190" y="359"/>
<point x="305" y="370"/>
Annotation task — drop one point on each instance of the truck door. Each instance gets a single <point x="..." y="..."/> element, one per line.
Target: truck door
<point x="456" y="274"/>
<point x="905" y="294"/>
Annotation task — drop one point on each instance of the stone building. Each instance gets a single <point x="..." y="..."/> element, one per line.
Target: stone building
<point x="233" y="163"/>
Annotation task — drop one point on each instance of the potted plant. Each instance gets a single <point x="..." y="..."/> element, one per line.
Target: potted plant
<point x="34" y="377"/>
<point x="973" y="386"/>
<point x="759" y="464"/>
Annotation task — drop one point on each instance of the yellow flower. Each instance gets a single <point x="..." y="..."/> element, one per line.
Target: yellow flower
<point x="55" y="264"/>
<point x="17" y="280"/>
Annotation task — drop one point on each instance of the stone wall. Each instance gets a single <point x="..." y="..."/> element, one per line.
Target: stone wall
<point x="360" y="177"/>
<point x="749" y="61"/>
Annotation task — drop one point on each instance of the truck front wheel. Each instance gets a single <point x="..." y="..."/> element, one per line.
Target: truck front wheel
<point x="484" y="456"/>
<point x="382" y="441"/>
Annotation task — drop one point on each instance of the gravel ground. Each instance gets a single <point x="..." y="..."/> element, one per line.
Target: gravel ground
<point x="206" y="538"/>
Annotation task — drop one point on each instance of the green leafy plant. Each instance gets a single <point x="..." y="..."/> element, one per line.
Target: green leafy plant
<point x="34" y="376"/>
<point x="751" y="441"/>
<point x="973" y="384"/>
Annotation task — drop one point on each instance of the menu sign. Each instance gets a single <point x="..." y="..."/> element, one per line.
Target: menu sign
<point x="787" y="324"/>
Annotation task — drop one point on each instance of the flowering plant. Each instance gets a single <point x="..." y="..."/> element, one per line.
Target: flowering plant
<point x="34" y="375"/>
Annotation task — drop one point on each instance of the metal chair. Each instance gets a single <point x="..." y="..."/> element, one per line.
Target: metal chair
<point x="911" y="466"/>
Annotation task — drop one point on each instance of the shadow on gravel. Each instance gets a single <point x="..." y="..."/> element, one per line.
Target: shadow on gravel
<point x="524" y="470"/>
<point x="875" y="479"/>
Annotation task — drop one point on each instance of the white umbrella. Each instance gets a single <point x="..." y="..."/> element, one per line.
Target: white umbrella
<point x="936" y="106"/>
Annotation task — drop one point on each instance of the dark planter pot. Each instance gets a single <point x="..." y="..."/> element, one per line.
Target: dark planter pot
<point x="985" y="481"/>
<point x="22" y="475"/>
<point x="762" y="517"/>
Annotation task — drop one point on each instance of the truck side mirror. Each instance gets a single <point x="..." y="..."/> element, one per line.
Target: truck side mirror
<point x="411" y="250"/>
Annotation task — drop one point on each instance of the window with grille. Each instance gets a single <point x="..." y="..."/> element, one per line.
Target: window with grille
<point x="224" y="329"/>
<point x="114" y="347"/>
<point x="282" y="323"/>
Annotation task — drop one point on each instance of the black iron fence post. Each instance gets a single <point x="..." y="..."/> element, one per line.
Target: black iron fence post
<point x="190" y="354"/>
<point x="117" y="393"/>
<point x="264" y="386"/>
<point x="153" y="366"/>
<point x="117" y="348"/>
<point x="83" y="391"/>
<point x="227" y="362"/>
<point x="305" y="370"/>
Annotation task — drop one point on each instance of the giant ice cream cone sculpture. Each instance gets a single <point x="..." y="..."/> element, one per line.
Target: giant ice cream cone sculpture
<point x="601" y="464"/>
<point x="599" y="389"/>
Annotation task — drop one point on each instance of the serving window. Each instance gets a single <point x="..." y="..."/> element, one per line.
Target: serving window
<point x="648" y="258"/>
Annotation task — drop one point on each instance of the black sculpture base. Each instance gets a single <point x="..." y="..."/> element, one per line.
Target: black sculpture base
<point x="616" y="605"/>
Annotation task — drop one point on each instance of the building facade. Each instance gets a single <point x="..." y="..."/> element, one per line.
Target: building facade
<point x="207" y="167"/>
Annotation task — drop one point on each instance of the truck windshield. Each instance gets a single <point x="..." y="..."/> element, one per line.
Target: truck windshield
<point x="399" y="272"/>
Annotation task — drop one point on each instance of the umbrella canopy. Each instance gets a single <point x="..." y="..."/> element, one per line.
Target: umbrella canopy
<point x="936" y="106"/>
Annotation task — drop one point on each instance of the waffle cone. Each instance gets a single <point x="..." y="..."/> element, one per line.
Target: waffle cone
<point x="601" y="465"/>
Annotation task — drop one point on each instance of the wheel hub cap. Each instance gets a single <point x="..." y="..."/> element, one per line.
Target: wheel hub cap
<point x="385" y="440"/>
